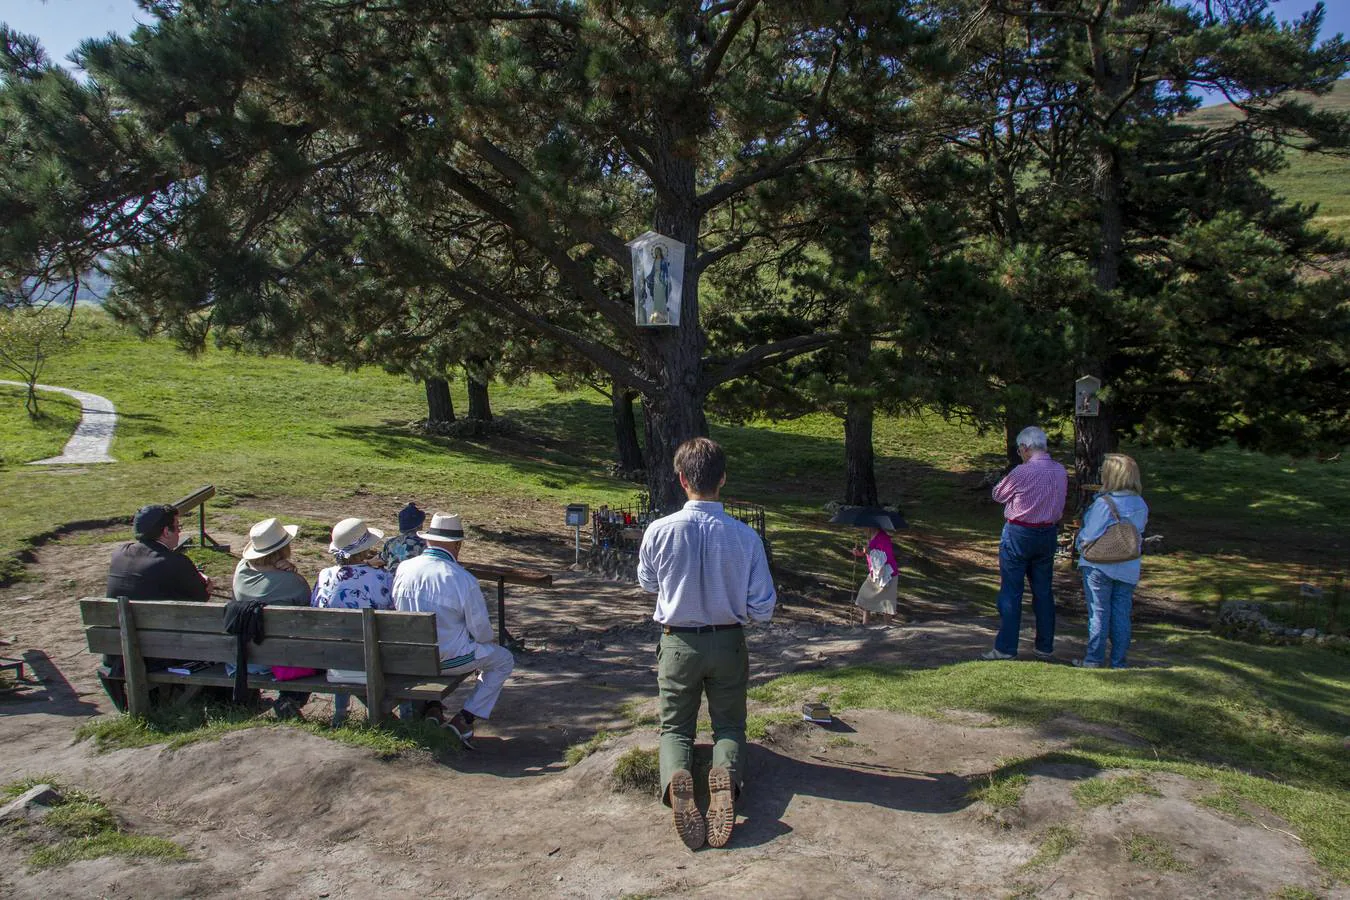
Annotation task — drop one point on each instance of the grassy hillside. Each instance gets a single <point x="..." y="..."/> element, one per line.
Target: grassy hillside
<point x="277" y="436"/>
<point x="1311" y="177"/>
<point x="23" y="439"/>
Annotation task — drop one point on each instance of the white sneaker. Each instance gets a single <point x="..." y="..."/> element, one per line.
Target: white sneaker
<point x="995" y="654"/>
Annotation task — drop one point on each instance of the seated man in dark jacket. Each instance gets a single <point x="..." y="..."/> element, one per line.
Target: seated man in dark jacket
<point x="150" y="568"/>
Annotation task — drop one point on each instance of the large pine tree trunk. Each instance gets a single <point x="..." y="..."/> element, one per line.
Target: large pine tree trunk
<point x="674" y="356"/>
<point x="1012" y="426"/>
<point x="673" y="418"/>
<point x="440" y="409"/>
<point x="625" y="429"/>
<point x="860" y="483"/>
<point x="480" y="406"/>
<point x="1112" y="77"/>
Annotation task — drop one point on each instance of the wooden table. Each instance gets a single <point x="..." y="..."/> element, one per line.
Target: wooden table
<point x="505" y="575"/>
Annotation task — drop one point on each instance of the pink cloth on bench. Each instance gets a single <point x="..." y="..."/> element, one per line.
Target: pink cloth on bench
<point x="290" y="673"/>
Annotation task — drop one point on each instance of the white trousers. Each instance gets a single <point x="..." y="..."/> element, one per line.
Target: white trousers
<point x="493" y="670"/>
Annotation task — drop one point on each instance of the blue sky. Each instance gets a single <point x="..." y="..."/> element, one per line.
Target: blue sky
<point x="62" y="24"/>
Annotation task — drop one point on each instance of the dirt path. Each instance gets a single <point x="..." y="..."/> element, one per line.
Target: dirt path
<point x="877" y="808"/>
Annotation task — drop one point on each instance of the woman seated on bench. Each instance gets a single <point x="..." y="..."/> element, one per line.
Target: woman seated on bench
<point x="357" y="581"/>
<point x="267" y="574"/>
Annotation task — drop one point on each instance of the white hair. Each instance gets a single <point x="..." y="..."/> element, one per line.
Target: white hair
<point x="1033" y="438"/>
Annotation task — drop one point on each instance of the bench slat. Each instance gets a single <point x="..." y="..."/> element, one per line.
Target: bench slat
<point x="398" y="688"/>
<point x="395" y="658"/>
<point x="278" y="621"/>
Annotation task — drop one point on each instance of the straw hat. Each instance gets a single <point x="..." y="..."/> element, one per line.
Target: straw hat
<point x="352" y="536"/>
<point x="444" y="527"/>
<point x="268" y="536"/>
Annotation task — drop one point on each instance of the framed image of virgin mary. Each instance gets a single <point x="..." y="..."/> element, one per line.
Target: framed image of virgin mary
<point x="658" y="279"/>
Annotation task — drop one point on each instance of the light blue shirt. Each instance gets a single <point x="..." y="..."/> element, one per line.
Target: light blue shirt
<point x="706" y="568"/>
<point x="1098" y="517"/>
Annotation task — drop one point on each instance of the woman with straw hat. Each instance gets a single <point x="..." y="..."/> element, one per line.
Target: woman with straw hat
<point x="266" y="574"/>
<point x="356" y="582"/>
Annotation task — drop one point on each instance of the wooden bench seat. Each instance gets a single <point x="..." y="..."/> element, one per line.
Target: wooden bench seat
<point x="395" y="688"/>
<point x="397" y="650"/>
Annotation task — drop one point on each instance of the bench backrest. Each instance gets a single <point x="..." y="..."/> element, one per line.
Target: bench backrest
<point x="294" y="635"/>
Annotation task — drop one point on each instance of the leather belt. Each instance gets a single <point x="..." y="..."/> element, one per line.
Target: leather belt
<point x="1032" y="524"/>
<point x="698" y="629"/>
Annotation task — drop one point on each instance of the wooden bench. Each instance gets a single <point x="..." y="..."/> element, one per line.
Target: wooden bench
<point x="397" y="650"/>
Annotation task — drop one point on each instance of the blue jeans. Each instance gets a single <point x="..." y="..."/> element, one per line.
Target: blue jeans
<point x="1026" y="554"/>
<point x="1109" y="602"/>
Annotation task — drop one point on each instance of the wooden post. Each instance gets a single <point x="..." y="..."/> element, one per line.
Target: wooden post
<point x="133" y="664"/>
<point x="374" y="670"/>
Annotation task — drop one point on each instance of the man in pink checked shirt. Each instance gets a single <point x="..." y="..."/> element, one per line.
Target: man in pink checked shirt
<point x="1032" y="495"/>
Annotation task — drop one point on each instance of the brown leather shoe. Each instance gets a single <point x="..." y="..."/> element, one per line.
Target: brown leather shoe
<point x="688" y="821"/>
<point x="721" y="806"/>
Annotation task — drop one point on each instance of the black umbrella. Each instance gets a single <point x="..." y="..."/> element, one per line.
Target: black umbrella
<point x="870" y="517"/>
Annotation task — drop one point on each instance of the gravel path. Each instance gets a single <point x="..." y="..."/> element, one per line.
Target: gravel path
<point x="92" y="437"/>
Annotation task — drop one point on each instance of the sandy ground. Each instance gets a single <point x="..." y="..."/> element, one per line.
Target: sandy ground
<point x="876" y="807"/>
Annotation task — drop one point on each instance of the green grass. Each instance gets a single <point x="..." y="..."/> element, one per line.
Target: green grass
<point x="1266" y="724"/>
<point x="1294" y="892"/>
<point x="23" y="439"/>
<point x="1000" y="791"/>
<point x="276" y="435"/>
<point x="1056" y="841"/>
<point x="115" y="843"/>
<point x="184" y="724"/>
<point x="1226" y="801"/>
<point x="1153" y="853"/>
<point x="757" y="725"/>
<point x="638" y="770"/>
<point x="577" y="752"/>
<point x="81" y="827"/>
<point x="1110" y="791"/>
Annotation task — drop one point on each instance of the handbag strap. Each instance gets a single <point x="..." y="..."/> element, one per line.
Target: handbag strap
<point x="1111" y="503"/>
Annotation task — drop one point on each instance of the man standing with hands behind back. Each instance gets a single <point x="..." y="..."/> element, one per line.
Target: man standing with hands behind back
<point x="711" y="578"/>
<point x="1032" y="495"/>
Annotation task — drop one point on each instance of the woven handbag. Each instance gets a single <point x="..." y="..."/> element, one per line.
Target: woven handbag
<point x="1118" y="543"/>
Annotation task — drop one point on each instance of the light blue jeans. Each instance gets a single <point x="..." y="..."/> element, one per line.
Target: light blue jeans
<point x="1109" y="603"/>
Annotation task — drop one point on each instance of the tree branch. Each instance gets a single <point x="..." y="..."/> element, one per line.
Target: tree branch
<point x="766" y="355"/>
<point x="725" y="40"/>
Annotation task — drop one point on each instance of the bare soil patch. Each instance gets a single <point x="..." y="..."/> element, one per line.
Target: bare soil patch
<point x="877" y="807"/>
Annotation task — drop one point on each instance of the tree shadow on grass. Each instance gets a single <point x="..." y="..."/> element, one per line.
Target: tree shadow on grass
<point x="131" y="425"/>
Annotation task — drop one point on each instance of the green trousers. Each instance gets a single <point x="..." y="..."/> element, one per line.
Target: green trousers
<point x="689" y="664"/>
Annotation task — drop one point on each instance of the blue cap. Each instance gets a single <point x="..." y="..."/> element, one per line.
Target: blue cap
<point x="410" y="518"/>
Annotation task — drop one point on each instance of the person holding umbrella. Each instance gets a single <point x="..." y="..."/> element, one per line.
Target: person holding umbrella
<point x="878" y="593"/>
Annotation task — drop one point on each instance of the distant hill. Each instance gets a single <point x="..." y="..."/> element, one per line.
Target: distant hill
<point x="94" y="288"/>
<point x="1311" y="177"/>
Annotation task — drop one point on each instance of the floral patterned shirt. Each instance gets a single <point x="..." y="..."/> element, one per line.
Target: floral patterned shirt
<point x="353" y="587"/>
<point x="404" y="545"/>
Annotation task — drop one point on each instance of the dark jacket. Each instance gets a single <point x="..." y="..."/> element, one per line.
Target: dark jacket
<point x="147" y="570"/>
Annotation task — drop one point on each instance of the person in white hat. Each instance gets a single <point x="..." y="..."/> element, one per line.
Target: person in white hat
<point x="436" y="582"/>
<point x="357" y="581"/>
<point x="266" y="574"/>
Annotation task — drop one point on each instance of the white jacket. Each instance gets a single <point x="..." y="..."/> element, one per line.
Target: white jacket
<point x="435" y="582"/>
